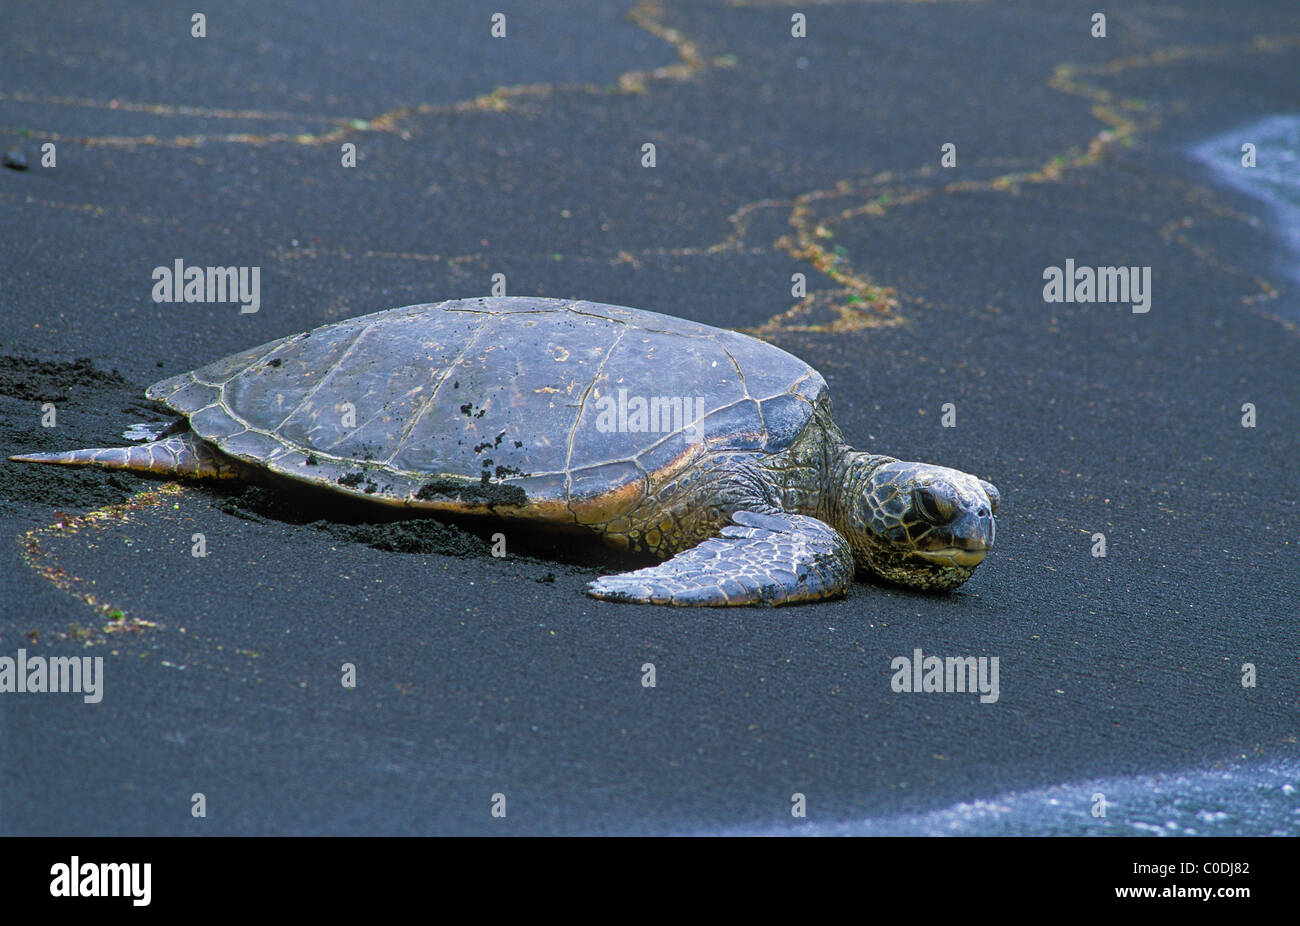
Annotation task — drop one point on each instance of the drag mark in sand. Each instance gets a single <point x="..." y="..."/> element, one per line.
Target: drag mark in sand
<point x="43" y="563"/>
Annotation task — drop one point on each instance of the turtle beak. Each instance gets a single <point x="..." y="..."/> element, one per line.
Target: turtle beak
<point x="955" y="556"/>
<point x="968" y="539"/>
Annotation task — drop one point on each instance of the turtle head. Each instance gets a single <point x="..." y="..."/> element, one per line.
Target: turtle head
<point x="915" y="524"/>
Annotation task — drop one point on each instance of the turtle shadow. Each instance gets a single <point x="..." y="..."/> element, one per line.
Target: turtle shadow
<point x="444" y="534"/>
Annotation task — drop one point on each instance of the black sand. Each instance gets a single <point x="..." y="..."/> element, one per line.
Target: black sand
<point x="479" y="675"/>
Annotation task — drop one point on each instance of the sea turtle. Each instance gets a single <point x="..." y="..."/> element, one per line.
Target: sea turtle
<point x="709" y="449"/>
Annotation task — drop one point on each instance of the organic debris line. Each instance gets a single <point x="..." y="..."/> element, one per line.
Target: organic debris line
<point x="44" y="564"/>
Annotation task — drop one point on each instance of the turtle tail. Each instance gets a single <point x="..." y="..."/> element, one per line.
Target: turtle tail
<point x="180" y="455"/>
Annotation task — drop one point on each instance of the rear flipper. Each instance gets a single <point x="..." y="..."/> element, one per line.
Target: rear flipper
<point x="181" y="455"/>
<point x="760" y="559"/>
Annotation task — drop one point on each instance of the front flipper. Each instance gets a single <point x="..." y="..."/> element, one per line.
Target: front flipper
<point x="760" y="559"/>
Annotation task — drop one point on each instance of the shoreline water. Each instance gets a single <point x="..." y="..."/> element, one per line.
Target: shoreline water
<point x="1242" y="799"/>
<point x="1273" y="180"/>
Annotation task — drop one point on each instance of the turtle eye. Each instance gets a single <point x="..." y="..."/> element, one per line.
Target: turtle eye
<point x="992" y="493"/>
<point x="935" y="502"/>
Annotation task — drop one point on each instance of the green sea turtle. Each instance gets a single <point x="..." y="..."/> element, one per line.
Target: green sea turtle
<point x="712" y="450"/>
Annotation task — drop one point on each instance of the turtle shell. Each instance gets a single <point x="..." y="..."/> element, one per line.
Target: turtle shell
<point x="532" y="407"/>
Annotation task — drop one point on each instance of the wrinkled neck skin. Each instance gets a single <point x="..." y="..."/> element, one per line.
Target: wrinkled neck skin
<point x="848" y="474"/>
<point x="820" y="475"/>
